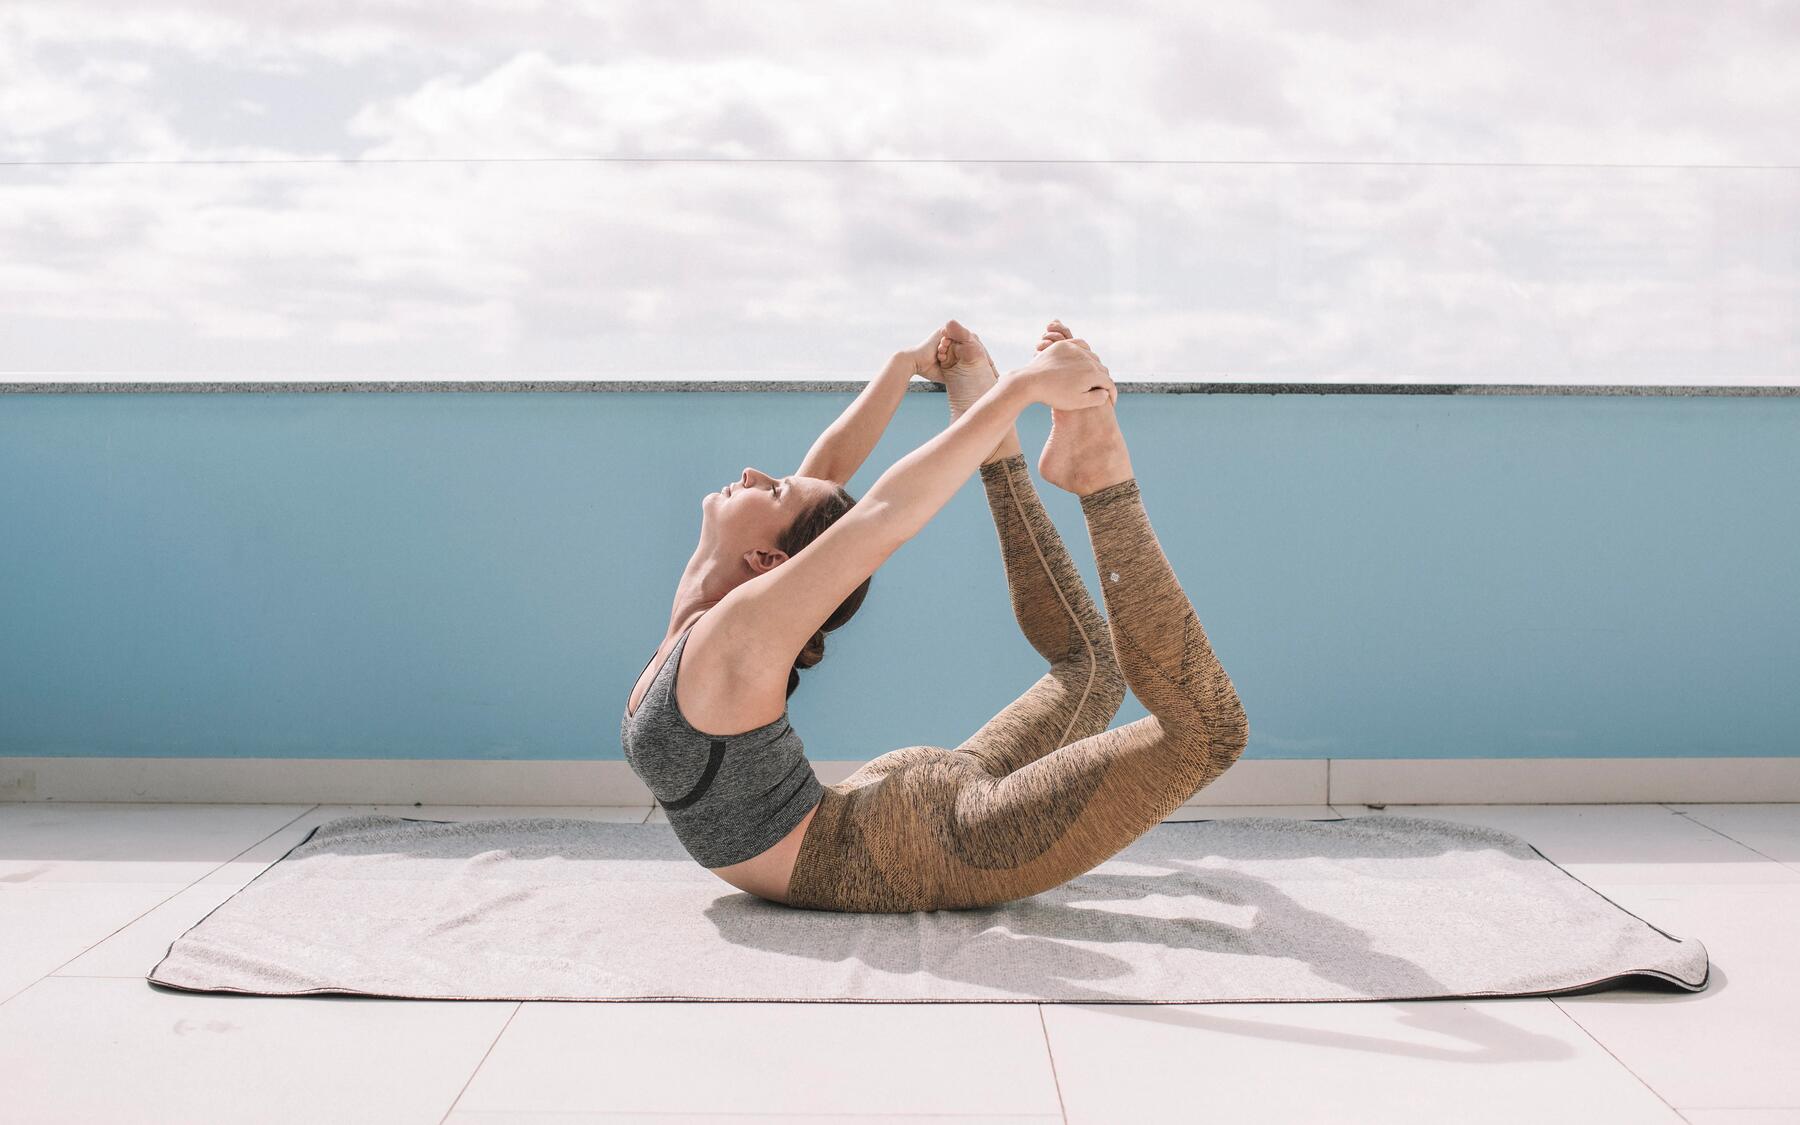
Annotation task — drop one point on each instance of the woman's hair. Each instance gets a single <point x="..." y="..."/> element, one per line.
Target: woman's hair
<point x="809" y="525"/>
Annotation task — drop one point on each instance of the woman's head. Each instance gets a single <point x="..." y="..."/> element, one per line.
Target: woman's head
<point x="763" y="521"/>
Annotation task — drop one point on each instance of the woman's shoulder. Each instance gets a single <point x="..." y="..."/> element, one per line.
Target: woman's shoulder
<point x="718" y="687"/>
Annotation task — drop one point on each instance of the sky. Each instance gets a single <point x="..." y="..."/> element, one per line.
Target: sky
<point x="1382" y="191"/>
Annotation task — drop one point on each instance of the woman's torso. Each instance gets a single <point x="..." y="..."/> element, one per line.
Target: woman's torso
<point x="702" y="706"/>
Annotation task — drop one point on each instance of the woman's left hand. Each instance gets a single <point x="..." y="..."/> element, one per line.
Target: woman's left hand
<point x="925" y="357"/>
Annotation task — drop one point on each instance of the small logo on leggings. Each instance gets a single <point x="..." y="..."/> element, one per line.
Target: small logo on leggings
<point x="1114" y="576"/>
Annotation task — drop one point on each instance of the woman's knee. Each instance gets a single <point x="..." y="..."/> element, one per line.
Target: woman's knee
<point x="1217" y="748"/>
<point x="1096" y="680"/>
<point x="1229" y="730"/>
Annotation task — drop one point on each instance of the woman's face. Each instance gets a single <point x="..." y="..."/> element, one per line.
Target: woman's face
<point x="753" y="510"/>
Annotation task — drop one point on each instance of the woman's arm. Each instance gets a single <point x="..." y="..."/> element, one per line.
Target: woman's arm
<point x="847" y="442"/>
<point x="770" y="617"/>
<point x="910" y="493"/>
<point x="1065" y="375"/>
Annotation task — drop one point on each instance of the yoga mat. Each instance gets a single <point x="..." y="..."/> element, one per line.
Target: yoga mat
<point x="1243" y="909"/>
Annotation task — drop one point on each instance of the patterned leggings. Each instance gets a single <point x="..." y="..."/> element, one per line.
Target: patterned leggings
<point x="1043" y="791"/>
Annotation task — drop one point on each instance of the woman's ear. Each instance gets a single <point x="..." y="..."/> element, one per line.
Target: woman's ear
<point x="762" y="560"/>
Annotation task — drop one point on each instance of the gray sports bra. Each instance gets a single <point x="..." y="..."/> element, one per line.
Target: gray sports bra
<point x="729" y="797"/>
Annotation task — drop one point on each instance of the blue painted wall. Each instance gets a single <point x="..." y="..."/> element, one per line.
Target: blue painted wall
<point x="482" y="575"/>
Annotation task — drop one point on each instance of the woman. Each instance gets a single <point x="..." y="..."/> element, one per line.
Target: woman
<point x="1043" y="791"/>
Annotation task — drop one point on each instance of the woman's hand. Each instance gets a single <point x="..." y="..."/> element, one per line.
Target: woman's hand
<point x="1067" y="375"/>
<point x="1055" y="331"/>
<point x="927" y="356"/>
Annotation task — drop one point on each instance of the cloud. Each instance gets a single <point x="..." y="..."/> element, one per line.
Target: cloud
<point x="1662" y="81"/>
<point x="532" y="106"/>
<point x="879" y="172"/>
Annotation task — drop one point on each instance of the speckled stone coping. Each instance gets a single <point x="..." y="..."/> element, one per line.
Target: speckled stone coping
<point x="1126" y="386"/>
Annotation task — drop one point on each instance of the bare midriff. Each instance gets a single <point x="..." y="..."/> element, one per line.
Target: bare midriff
<point x="766" y="875"/>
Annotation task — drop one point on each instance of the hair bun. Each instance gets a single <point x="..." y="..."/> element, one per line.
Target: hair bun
<point x="813" y="652"/>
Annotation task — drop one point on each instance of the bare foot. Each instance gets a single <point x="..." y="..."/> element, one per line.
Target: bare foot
<point x="969" y="373"/>
<point x="1086" y="451"/>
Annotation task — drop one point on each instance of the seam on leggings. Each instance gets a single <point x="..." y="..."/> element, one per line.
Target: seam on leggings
<point x="1093" y="658"/>
<point x="1185" y="688"/>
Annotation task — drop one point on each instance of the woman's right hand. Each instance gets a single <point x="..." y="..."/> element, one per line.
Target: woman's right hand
<point x="1066" y="375"/>
<point x="1054" y="331"/>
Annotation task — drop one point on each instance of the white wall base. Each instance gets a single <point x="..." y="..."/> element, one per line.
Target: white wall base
<point x="1390" y="781"/>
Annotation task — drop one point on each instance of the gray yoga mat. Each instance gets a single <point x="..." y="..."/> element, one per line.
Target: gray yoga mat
<point x="1254" y="908"/>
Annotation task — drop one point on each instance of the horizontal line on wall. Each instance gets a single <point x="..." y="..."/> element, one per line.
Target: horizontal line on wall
<point x="227" y="160"/>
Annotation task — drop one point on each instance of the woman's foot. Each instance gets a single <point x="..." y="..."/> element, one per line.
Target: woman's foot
<point x="1086" y="451"/>
<point x="969" y="373"/>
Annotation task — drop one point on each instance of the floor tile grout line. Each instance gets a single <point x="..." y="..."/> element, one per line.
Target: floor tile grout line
<point x="295" y="819"/>
<point x="270" y="835"/>
<point x="5" y="1000"/>
<point x="485" y="1055"/>
<point x="136" y="918"/>
<point x="1598" y="1042"/>
<point x="1696" y="820"/>
<point x="1050" y="1053"/>
<point x="127" y="924"/>
<point x="1042" y="1015"/>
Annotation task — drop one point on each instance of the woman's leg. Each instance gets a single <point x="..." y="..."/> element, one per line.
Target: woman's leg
<point x="1069" y="811"/>
<point x="1083" y="689"/>
<point x="852" y="857"/>
<point x="937" y="830"/>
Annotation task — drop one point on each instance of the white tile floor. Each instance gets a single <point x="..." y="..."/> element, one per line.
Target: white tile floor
<point x="91" y="895"/>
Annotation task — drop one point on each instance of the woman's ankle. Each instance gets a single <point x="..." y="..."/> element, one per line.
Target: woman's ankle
<point x="1008" y="448"/>
<point x="1101" y="492"/>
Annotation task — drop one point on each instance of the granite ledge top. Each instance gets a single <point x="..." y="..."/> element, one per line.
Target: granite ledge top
<point x="1126" y="386"/>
